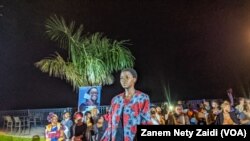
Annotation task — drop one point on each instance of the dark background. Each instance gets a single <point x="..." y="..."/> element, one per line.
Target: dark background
<point x="201" y="48"/>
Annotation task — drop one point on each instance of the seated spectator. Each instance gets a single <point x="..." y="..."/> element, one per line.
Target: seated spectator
<point x="247" y="101"/>
<point x="245" y="115"/>
<point x="213" y="113"/>
<point x="240" y="107"/>
<point x="166" y="113"/>
<point x="180" y="103"/>
<point x="191" y="113"/>
<point x="159" y="116"/>
<point x="153" y="116"/>
<point x="206" y="105"/>
<point x="179" y="117"/>
<point x="201" y="115"/>
<point x="227" y="117"/>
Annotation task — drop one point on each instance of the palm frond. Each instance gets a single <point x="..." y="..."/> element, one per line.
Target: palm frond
<point x="95" y="70"/>
<point x="91" y="59"/>
<point x="54" y="65"/>
<point x="67" y="36"/>
<point x="113" y="53"/>
<point x="73" y="77"/>
<point x="119" y="56"/>
<point x="57" y="67"/>
<point x="57" y="30"/>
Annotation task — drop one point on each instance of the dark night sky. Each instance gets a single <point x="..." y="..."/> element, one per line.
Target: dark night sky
<point x="200" y="47"/>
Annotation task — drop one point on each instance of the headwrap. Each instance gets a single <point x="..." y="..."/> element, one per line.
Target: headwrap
<point x="78" y="115"/>
<point x="50" y="116"/>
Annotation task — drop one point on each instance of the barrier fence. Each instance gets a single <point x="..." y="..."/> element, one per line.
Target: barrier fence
<point x="42" y="113"/>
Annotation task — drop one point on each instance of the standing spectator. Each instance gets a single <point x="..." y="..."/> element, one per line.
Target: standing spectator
<point x="55" y="130"/>
<point x="90" y="124"/>
<point x="67" y="123"/>
<point x="94" y="114"/>
<point x="106" y="115"/>
<point x="78" y="130"/>
<point x="100" y="128"/>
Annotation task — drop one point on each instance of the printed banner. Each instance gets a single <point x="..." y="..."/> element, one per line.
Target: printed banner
<point x="89" y="97"/>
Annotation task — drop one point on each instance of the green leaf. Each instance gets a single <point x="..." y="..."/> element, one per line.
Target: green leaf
<point x="91" y="58"/>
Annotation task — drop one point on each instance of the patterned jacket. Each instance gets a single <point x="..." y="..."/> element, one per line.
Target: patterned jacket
<point x="135" y="112"/>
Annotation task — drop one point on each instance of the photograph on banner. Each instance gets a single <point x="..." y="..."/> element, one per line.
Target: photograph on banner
<point x="89" y="97"/>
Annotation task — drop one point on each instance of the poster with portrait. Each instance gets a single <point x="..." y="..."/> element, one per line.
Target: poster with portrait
<point x="89" y="97"/>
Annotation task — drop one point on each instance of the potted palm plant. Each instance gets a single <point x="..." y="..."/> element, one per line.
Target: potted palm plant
<point x="91" y="58"/>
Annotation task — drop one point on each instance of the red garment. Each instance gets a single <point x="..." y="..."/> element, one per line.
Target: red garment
<point x="106" y="117"/>
<point x="136" y="111"/>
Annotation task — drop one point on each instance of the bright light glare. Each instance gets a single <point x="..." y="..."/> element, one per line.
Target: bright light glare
<point x="171" y="107"/>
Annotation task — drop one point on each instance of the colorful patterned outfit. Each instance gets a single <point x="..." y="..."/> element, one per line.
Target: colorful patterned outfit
<point x="126" y="115"/>
<point x="53" y="133"/>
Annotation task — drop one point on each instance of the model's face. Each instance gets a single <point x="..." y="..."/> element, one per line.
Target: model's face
<point x="93" y="93"/>
<point x="127" y="80"/>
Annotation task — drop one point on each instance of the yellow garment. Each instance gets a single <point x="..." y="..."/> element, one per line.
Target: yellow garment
<point x="89" y="123"/>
